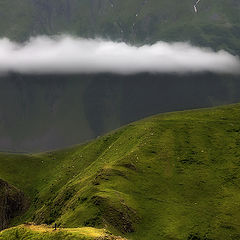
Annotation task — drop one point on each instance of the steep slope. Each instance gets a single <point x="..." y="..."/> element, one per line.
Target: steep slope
<point x="216" y="24"/>
<point x="38" y="113"/>
<point x="12" y="203"/>
<point x="171" y="176"/>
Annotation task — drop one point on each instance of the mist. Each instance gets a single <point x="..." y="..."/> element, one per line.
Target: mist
<point x="70" y="55"/>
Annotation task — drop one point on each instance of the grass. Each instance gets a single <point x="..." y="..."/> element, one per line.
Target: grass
<point x="171" y="176"/>
<point x="42" y="232"/>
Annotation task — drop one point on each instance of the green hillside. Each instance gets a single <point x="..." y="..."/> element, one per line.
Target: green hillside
<point x="43" y="232"/>
<point x="171" y="176"/>
<point x="217" y="23"/>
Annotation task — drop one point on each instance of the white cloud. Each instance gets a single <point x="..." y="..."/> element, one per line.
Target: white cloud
<point x="66" y="54"/>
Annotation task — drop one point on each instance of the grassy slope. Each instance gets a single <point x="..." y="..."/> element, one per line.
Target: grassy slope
<point x="170" y="176"/>
<point x="46" y="233"/>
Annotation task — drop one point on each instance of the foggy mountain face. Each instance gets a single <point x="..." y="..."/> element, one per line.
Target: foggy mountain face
<point x="52" y="110"/>
<point x="47" y="112"/>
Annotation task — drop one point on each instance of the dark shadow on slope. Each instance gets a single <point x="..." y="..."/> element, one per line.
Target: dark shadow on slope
<point x="12" y="203"/>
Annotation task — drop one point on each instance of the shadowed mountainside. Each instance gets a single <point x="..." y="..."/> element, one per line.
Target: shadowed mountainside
<point x="39" y="113"/>
<point x="12" y="203"/>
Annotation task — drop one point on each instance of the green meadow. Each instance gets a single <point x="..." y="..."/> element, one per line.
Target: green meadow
<point x="170" y="176"/>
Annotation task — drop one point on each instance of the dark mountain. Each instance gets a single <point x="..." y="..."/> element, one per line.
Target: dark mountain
<point x="39" y="113"/>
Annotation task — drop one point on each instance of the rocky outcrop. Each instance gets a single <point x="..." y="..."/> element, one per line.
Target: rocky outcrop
<point x="12" y="203"/>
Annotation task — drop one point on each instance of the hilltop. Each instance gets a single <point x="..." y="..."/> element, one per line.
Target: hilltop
<point x="170" y="176"/>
